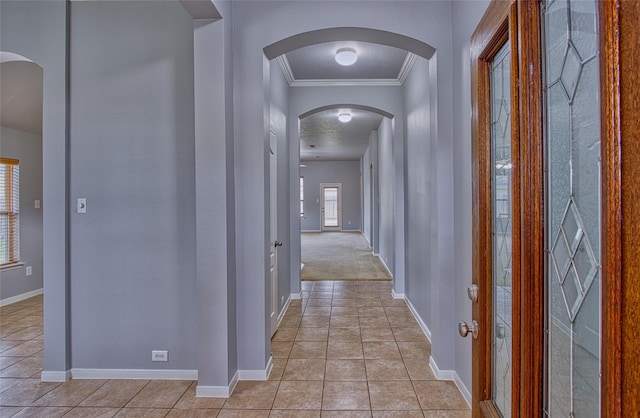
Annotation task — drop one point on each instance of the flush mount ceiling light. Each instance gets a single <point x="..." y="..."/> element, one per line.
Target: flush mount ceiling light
<point x="344" y="117"/>
<point x="346" y="56"/>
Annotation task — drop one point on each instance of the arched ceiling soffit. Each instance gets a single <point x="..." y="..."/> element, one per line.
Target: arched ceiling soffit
<point x="324" y="137"/>
<point x="375" y="36"/>
<point x="384" y="58"/>
<point x="347" y="106"/>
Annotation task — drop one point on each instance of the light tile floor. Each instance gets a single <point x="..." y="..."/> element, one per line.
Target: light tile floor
<point x="347" y="349"/>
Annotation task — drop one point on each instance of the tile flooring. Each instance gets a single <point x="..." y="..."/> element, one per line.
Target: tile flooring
<point x="347" y="349"/>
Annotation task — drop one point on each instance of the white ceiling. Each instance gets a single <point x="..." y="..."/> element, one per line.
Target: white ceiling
<point x="335" y="140"/>
<point x="377" y="65"/>
<point x="375" y="62"/>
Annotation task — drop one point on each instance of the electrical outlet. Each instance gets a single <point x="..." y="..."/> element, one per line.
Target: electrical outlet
<point x="29" y="270"/>
<point x="159" y="355"/>
<point x="281" y="300"/>
<point x="36" y="204"/>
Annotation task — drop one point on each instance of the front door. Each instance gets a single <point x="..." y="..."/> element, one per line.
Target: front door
<point x="495" y="291"/>
<point x="547" y="284"/>
<point x="331" y="210"/>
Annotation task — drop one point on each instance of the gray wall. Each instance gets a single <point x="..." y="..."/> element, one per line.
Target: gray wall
<point x="27" y="148"/>
<point x="466" y="15"/>
<point x="132" y="156"/>
<point x="346" y="173"/>
<point x="387" y="190"/>
<point x="47" y="47"/>
<point x="365" y="168"/>
<point x="420" y="190"/>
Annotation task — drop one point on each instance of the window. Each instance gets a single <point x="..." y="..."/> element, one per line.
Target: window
<point x="301" y="196"/>
<point x="9" y="211"/>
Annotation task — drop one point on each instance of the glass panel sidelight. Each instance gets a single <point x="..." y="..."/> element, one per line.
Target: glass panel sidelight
<point x="502" y="211"/>
<point x="573" y="208"/>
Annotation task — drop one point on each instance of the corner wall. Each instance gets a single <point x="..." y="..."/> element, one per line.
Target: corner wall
<point x="465" y="17"/>
<point x="47" y="46"/>
<point x="132" y="150"/>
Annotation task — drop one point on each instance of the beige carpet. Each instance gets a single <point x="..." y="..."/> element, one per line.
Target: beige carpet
<point x="339" y="256"/>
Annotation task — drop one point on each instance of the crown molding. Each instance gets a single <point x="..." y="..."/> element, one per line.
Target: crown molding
<point x="407" y="66"/>
<point x="283" y="62"/>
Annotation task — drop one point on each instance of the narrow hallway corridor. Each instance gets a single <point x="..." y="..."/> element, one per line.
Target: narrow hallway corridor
<point x="346" y="349"/>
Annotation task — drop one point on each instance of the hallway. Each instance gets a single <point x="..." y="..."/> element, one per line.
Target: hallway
<point x="346" y="349"/>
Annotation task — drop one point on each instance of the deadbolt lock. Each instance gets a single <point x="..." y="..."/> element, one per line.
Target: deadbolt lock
<point x="472" y="292"/>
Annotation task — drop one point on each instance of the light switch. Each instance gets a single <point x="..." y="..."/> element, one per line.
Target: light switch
<point x="82" y="205"/>
<point x="36" y="204"/>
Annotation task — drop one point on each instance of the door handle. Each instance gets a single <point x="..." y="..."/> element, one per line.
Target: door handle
<point x="277" y="243"/>
<point x="464" y="329"/>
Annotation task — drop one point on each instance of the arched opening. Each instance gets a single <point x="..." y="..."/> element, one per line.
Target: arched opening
<point x="356" y="95"/>
<point x="21" y="244"/>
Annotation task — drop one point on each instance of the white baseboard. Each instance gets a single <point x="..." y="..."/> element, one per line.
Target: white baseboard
<point x="415" y="314"/>
<point x="451" y="375"/>
<point x="46" y="376"/>
<point x="217" y="391"/>
<point x="134" y="374"/>
<point x="256" y="374"/>
<point x="284" y="310"/>
<point x="296" y="296"/>
<point x="397" y="295"/>
<point x="21" y="297"/>
<point x="311" y="230"/>
<point x="384" y="264"/>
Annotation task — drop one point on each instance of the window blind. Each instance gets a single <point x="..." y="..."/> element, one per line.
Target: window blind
<point x="9" y="211"/>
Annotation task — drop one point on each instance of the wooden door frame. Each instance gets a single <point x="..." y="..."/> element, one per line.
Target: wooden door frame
<point x="619" y="92"/>
<point x="620" y="147"/>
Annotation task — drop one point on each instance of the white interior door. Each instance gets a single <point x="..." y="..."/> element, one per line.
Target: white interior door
<point x="273" y="253"/>
<point x="331" y="210"/>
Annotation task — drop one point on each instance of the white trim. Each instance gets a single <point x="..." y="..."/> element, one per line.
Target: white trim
<point x="13" y="266"/>
<point x="384" y="264"/>
<point x="462" y="388"/>
<point x="451" y="375"/>
<point x="286" y="68"/>
<point x="134" y="374"/>
<point x="383" y="82"/>
<point x="46" y="376"/>
<point x="415" y="314"/>
<point x="310" y="230"/>
<point x="217" y="391"/>
<point x="284" y="310"/>
<point x="256" y="374"/>
<point x="296" y="296"/>
<point x="397" y="295"/>
<point x="407" y="66"/>
<point x="19" y="298"/>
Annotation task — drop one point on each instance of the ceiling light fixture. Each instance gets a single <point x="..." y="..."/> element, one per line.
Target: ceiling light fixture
<point x="344" y="117"/>
<point x="346" y="56"/>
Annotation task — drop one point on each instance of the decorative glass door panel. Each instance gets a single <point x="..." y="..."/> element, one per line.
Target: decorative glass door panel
<point x="573" y="208"/>
<point x="501" y="227"/>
